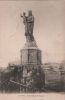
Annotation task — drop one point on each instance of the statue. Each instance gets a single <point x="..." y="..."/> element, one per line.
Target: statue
<point x="29" y="25"/>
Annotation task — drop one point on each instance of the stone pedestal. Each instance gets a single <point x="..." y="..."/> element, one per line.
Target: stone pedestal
<point x="31" y="55"/>
<point x="33" y="76"/>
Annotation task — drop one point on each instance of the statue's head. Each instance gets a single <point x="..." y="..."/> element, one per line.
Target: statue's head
<point x="30" y="12"/>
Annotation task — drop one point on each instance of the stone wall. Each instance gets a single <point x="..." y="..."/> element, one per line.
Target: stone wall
<point x="53" y="78"/>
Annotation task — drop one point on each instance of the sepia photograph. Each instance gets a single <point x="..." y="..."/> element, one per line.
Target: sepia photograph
<point x="32" y="47"/>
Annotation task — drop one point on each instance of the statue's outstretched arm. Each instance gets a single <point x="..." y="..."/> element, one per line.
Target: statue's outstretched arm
<point x="21" y="16"/>
<point x="24" y="14"/>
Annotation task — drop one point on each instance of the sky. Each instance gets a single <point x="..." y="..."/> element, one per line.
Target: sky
<point x="49" y="29"/>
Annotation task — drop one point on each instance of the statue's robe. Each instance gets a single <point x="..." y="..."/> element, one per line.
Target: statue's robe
<point x="29" y="25"/>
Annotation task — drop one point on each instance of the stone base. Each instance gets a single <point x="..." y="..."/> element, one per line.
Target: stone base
<point x="33" y="77"/>
<point x="30" y="54"/>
